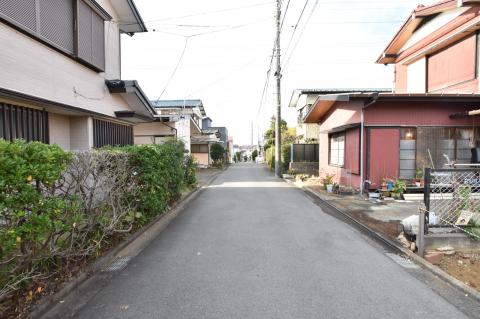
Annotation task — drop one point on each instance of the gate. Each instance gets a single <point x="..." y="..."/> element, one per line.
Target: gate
<point x="452" y="199"/>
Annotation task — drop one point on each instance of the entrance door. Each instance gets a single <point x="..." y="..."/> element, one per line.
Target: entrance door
<point x="382" y="154"/>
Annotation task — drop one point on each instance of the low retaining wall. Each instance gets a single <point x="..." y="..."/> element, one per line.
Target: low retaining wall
<point x="309" y="168"/>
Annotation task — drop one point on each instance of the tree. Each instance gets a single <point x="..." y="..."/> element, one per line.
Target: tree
<point x="288" y="135"/>
<point x="216" y="152"/>
<point x="238" y="156"/>
<point x="254" y="155"/>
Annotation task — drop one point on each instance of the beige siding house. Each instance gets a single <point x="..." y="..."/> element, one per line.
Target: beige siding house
<point x="60" y="79"/>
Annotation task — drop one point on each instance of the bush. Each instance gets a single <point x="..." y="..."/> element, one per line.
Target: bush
<point x="160" y="175"/>
<point x="216" y="152"/>
<point x="270" y="157"/>
<point x="254" y="155"/>
<point x="58" y="209"/>
<point x="190" y="170"/>
<point x="286" y="151"/>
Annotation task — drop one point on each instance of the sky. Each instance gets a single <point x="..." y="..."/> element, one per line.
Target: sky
<point x="219" y="51"/>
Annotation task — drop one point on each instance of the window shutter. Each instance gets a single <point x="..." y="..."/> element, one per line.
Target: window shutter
<point x="56" y="23"/>
<point x="98" y="41"/>
<point x="22" y="12"/>
<point x="91" y="36"/>
<point x="84" y="31"/>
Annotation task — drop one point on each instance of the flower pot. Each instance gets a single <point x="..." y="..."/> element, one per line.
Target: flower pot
<point x="330" y="188"/>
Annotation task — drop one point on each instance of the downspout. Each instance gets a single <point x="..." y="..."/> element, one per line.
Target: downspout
<point x="362" y="138"/>
<point x="173" y="128"/>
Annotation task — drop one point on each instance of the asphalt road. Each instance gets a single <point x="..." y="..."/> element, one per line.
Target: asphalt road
<point x="251" y="246"/>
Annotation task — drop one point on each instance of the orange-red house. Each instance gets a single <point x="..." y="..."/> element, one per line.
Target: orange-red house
<point x="424" y="121"/>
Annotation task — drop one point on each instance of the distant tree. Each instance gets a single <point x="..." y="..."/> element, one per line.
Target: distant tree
<point x="238" y="156"/>
<point x="254" y="155"/>
<point x="216" y="152"/>
<point x="288" y="135"/>
<point x="245" y="158"/>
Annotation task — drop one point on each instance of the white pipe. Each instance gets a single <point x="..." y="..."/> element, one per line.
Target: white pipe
<point x="361" y="153"/>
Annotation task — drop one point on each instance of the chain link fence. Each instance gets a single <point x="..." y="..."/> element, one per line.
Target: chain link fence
<point x="452" y="199"/>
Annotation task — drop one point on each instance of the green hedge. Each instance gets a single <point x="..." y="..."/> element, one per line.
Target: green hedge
<point x="59" y="208"/>
<point x="270" y="157"/>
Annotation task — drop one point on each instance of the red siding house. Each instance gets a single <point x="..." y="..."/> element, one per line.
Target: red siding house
<point x="424" y="121"/>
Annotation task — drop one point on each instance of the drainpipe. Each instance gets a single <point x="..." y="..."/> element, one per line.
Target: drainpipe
<point x="159" y="119"/>
<point x="362" y="143"/>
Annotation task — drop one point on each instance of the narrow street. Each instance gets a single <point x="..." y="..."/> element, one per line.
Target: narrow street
<point x="252" y="246"/>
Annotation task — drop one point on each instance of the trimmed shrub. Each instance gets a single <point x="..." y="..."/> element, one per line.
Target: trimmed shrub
<point x="60" y="209"/>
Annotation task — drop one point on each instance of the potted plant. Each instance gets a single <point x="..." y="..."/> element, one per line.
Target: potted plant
<point x="419" y="177"/>
<point x="327" y="182"/>
<point x="398" y="188"/>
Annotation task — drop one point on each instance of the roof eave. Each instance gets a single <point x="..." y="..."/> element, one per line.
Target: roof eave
<point x="126" y="89"/>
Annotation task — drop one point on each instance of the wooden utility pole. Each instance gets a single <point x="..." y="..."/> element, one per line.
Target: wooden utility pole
<point x="278" y="76"/>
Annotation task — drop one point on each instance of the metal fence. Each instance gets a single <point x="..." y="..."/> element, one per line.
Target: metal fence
<point x="304" y="153"/>
<point x="452" y="199"/>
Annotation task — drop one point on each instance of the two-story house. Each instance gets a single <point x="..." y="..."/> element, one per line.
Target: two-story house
<point x="60" y="73"/>
<point x="302" y="100"/>
<point x="424" y="122"/>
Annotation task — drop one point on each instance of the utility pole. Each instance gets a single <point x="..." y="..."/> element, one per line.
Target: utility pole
<point x="278" y="75"/>
<point x="251" y="139"/>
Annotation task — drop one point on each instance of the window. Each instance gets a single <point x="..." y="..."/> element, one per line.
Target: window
<point x="53" y="22"/>
<point x="439" y="144"/>
<point x="407" y="152"/>
<point x="199" y="148"/>
<point x="337" y="150"/>
<point x="17" y="122"/>
<point x="109" y="133"/>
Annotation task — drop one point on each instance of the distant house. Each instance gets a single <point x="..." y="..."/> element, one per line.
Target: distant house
<point x="60" y="76"/>
<point x="174" y="119"/>
<point x="182" y="120"/>
<point x="223" y="133"/>
<point x="371" y="136"/>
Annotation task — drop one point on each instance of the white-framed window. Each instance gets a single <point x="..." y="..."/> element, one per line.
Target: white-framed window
<point x="337" y="150"/>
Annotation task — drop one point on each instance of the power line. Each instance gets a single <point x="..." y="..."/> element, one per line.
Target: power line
<point x="301" y="33"/>
<point x="285" y="14"/>
<point x="296" y="25"/>
<point x="233" y="27"/>
<point x="205" y="13"/>
<point x="175" y="69"/>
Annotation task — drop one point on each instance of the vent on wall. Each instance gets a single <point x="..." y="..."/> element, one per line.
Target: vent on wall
<point x="17" y="122"/>
<point x="113" y="134"/>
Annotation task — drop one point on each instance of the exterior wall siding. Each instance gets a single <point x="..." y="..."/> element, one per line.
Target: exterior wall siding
<point x="413" y="114"/>
<point x="400" y="78"/>
<point x="341" y="114"/>
<point x="352" y="151"/>
<point x="59" y="130"/>
<point x="453" y="65"/>
<point x="202" y="158"/>
<point x="33" y="68"/>
<point x="144" y="133"/>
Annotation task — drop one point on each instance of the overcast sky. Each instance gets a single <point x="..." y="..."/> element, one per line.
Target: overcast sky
<point x="227" y="47"/>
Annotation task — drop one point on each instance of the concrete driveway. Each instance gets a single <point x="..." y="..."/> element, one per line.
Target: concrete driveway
<point x="251" y="246"/>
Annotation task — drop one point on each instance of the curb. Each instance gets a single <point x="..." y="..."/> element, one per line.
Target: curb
<point x="131" y="246"/>
<point x="395" y="246"/>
